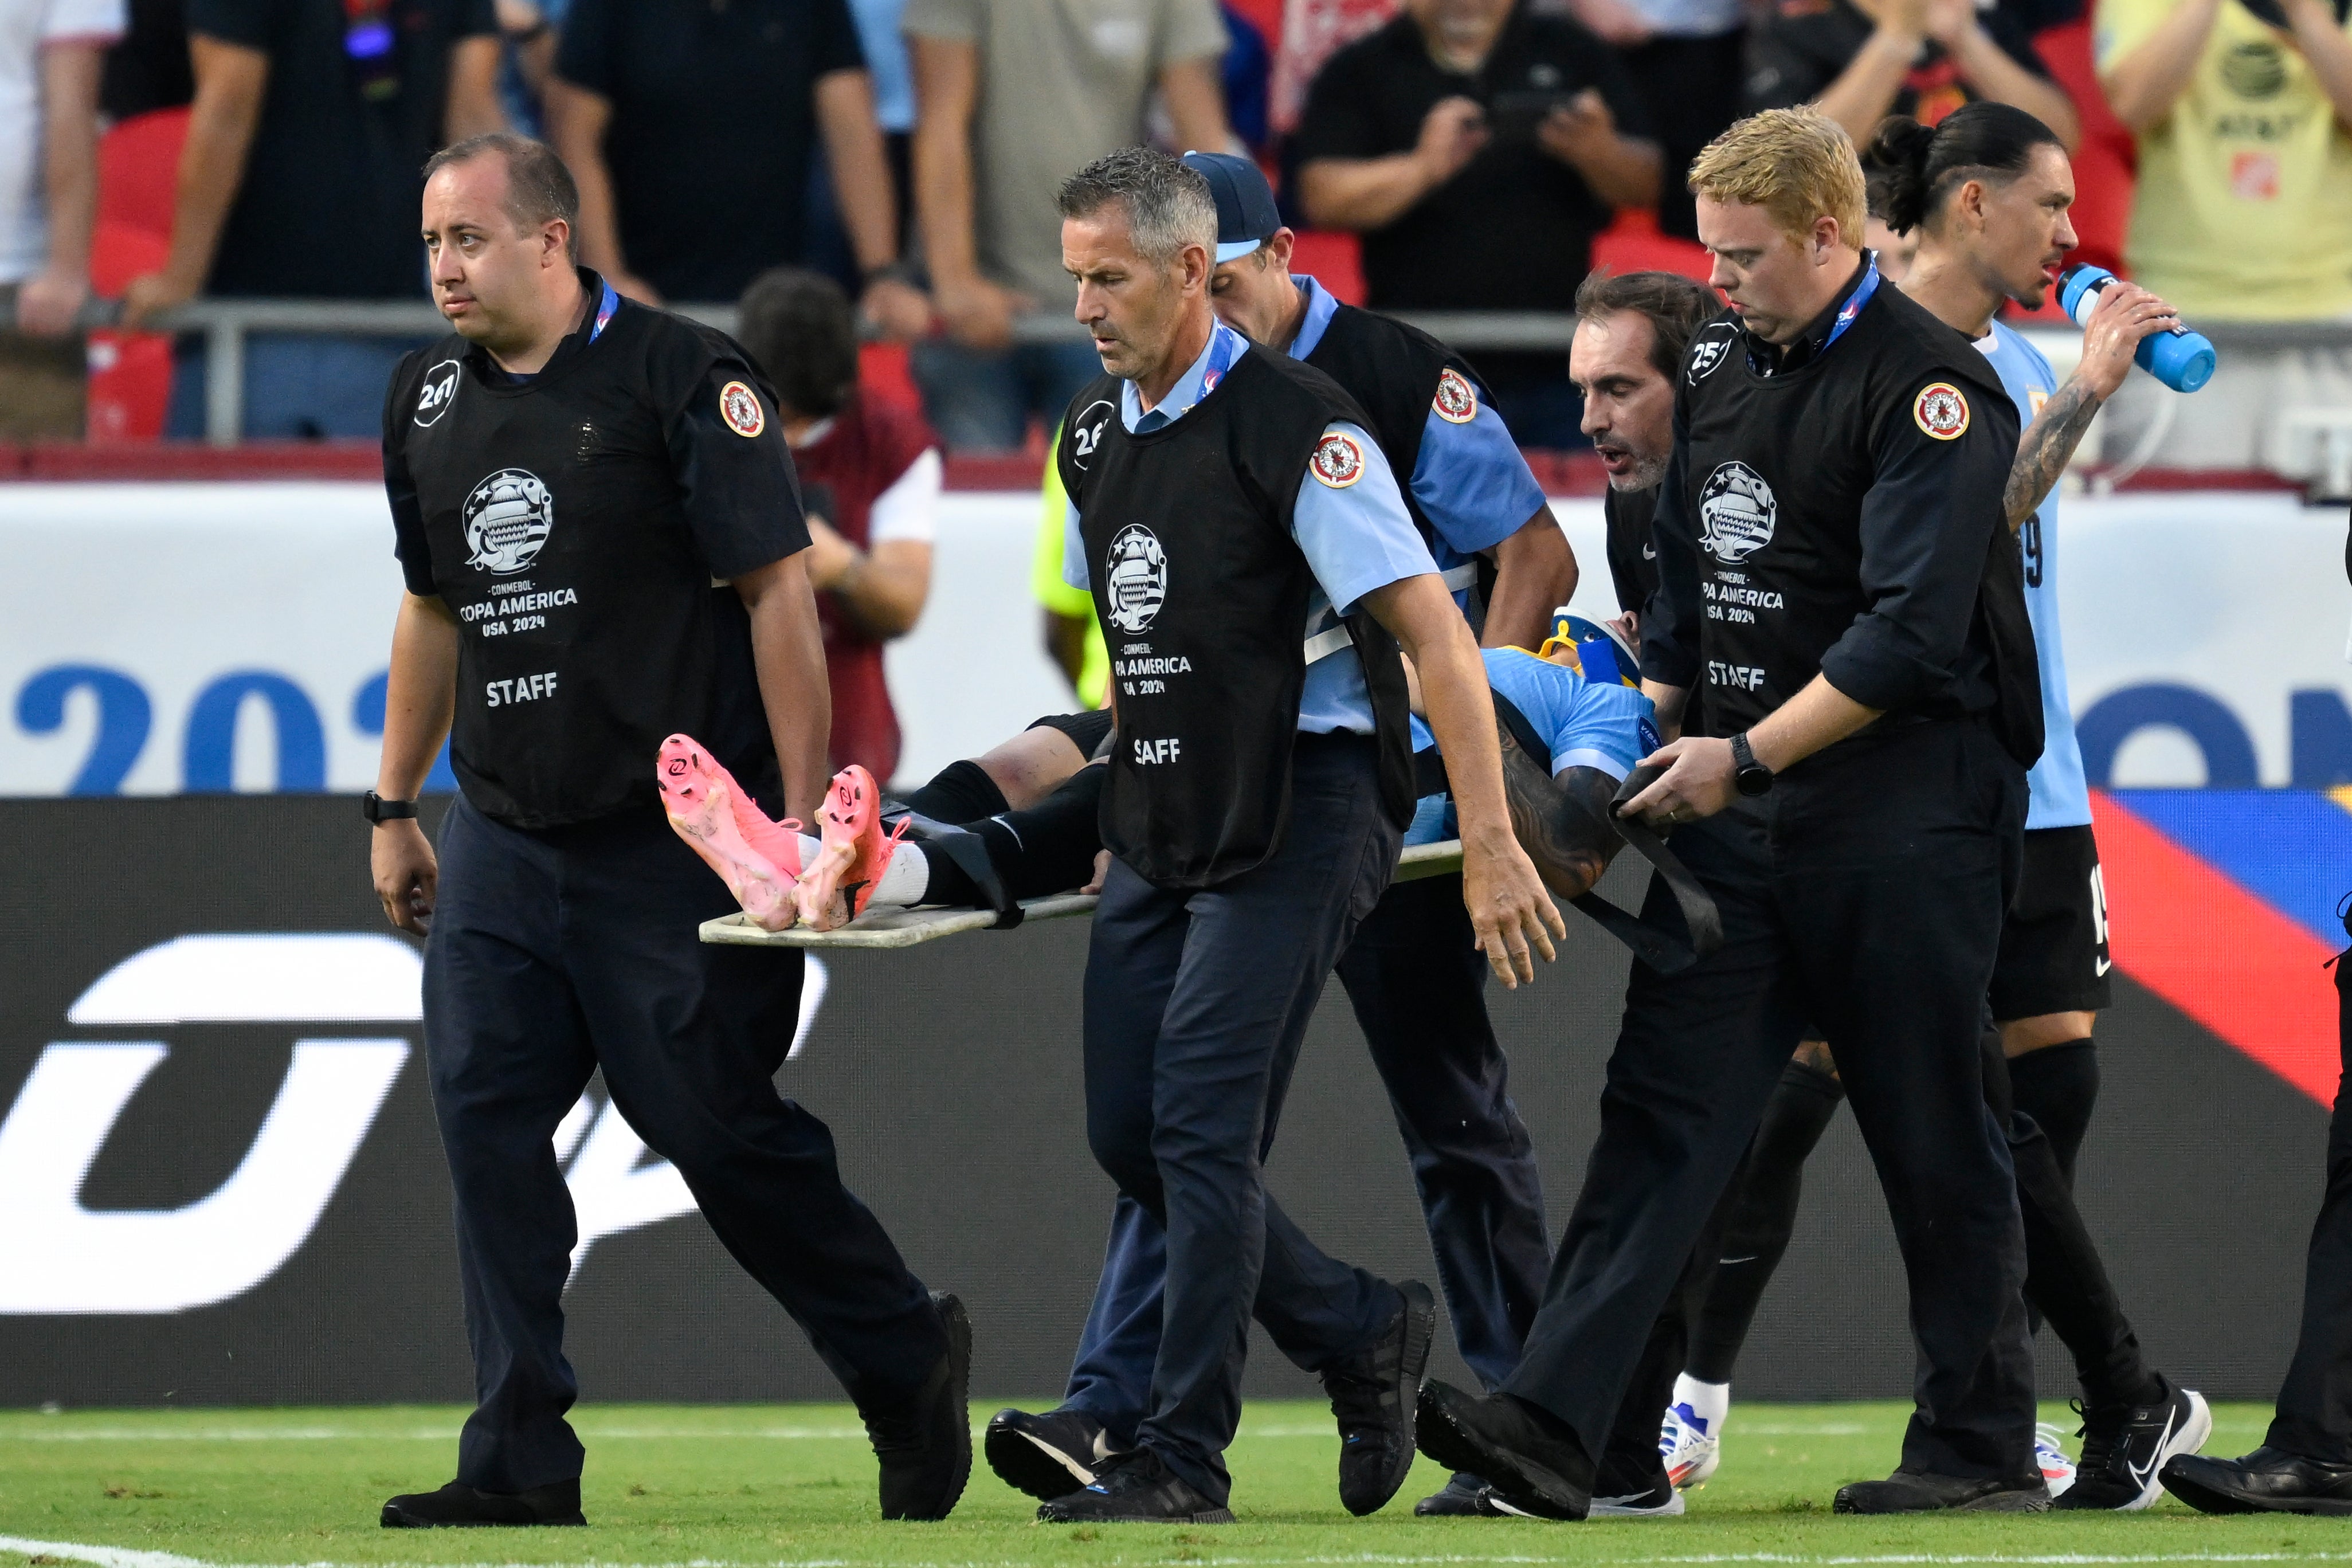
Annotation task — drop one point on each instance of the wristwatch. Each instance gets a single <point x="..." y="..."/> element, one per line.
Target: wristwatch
<point x="375" y="808"/>
<point x="1752" y="776"/>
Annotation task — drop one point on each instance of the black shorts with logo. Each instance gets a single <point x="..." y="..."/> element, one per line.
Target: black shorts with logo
<point x="2054" y="945"/>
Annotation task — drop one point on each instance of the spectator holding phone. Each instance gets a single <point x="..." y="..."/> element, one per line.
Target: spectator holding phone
<point x="2243" y="209"/>
<point x="1479" y="149"/>
<point x="1859" y="61"/>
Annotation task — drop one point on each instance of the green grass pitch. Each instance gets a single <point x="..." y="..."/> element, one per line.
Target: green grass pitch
<point x="793" y="1485"/>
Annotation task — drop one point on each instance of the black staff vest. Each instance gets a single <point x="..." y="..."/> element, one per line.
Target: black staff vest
<point x="1203" y="591"/>
<point x="588" y="627"/>
<point x="1776" y="470"/>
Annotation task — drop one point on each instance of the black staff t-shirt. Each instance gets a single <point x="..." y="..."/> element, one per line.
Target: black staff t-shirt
<point x="714" y="121"/>
<point x="580" y="524"/>
<point x="354" y="105"/>
<point x="1512" y="230"/>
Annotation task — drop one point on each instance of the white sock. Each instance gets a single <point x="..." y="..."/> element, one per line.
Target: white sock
<point x="904" y="880"/>
<point x="809" y="846"/>
<point x="1710" y="1402"/>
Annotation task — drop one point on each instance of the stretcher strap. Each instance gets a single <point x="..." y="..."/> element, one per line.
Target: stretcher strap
<point x="1663" y="949"/>
<point x="1324" y="644"/>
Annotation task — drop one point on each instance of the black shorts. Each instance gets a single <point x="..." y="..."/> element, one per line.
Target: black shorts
<point x="2054" y="945"/>
<point x="1087" y="731"/>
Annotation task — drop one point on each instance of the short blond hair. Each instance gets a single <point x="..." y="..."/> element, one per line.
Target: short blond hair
<point x="1798" y="164"/>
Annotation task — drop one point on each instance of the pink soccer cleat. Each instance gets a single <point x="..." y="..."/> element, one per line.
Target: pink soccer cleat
<point x="759" y="860"/>
<point x="836" y="887"/>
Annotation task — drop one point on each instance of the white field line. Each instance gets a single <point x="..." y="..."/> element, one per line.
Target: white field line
<point x="122" y="1557"/>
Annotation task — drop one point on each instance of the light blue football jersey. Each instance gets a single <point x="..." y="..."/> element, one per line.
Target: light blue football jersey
<point x="2061" y="798"/>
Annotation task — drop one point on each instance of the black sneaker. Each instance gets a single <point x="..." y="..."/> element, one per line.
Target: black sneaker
<point x="1921" y="1491"/>
<point x="1135" y="1488"/>
<point x="1502" y="1439"/>
<point x="1458" y="1499"/>
<point x="2126" y="1447"/>
<point x="1373" y="1396"/>
<point x="2268" y="1480"/>
<point x="1047" y="1455"/>
<point x="458" y="1506"/>
<point x="924" y="1441"/>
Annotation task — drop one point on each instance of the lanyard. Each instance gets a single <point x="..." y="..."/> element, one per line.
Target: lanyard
<point x="1221" y="358"/>
<point x="1852" y="307"/>
<point x="606" y="308"/>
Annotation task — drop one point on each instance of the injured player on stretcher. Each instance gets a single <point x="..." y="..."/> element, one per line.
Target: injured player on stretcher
<point x="1020" y="823"/>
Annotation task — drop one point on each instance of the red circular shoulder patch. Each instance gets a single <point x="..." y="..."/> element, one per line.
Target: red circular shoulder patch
<point x="1456" y="402"/>
<point x="1941" y="410"/>
<point x="739" y="406"/>
<point x="1337" y="461"/>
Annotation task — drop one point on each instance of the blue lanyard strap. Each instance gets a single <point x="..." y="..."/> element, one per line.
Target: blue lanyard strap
<point x="1853" y="304"/>
<point x="1222" y="344"/>
<point x="610" y="305"/>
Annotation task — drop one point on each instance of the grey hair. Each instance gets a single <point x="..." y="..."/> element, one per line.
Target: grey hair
<point x="1168" y="206"/>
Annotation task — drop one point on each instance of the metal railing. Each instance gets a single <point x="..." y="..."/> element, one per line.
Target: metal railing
<point x="225" y="325"/>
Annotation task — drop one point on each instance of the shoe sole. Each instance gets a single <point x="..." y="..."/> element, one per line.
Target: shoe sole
<point x="1695" y="1473"/>
<point x="1996" y="1502"/>
<point x="1439" y="1437"/>
<point x="400" y="1519"/>
<point x="1205" y="1516"/>
<point x="1028" y="1465"/>
<point x="2207" y="1500"/>
<point x="1420" y="1333"/>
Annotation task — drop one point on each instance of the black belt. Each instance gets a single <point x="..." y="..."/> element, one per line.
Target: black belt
<point x="1663" y="949"/>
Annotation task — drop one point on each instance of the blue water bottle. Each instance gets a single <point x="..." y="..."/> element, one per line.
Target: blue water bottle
<point x="2179" y="358"/>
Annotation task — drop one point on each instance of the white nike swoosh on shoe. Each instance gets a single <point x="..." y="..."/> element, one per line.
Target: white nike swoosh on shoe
<point x="1749" y="1258"/>
<point x="1636" y="1505"/>
<point x="2144" y="1476"/>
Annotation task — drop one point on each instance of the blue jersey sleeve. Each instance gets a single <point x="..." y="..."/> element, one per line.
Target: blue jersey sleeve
<point x="1471" y="482"/>
<point x="1074" y="550"/>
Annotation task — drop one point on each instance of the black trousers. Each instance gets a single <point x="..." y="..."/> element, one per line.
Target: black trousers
<point x="2314" y="1402"/>
<point x="1865" y="892"/>
<point x="1196" y="1003"/>
<point x="1418" y="987"/>
<point x="552" y="954"/>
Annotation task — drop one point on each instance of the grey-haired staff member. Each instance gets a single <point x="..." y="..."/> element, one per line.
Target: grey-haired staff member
<point x="1412" y="973"/>
<point x="569" y="474"/>
<point x="1222" y="497"/>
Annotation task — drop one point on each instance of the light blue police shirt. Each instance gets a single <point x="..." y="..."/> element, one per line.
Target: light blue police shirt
<point x="1355" y="540"/>
<point x="1586" y="724"/>
<point x="2060" y="797"/>
<point x="1470" y="480"/>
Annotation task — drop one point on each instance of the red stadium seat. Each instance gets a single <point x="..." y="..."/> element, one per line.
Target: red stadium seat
<point x="138" y="174"/>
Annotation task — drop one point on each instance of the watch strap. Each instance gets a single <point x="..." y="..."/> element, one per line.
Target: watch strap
<point x="375" y="808"/>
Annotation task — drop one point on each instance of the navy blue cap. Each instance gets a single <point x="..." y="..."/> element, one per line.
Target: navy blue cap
<point x="1246" y="216"/>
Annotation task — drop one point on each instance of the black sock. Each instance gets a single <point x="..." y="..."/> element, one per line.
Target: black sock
<point x="1049" y="847"/>
<point x="2057" y="1085"/>
<point x="1763" y="1217"/>
<point x="960" y="792"/>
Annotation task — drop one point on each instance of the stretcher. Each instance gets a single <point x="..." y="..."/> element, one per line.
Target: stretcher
<point x="911" y="928"/>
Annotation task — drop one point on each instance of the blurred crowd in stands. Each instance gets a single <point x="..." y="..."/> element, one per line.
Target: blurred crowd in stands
<point x="1441" y="156"/>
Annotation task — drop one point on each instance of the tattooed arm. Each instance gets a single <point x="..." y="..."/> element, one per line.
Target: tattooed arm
<point x="2048" y="446"/>
<point x="1563" y="824"/>
<point x="2126" y="313"/>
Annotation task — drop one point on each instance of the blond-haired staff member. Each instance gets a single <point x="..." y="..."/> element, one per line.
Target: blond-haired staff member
<point x="1835" y="565"/>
